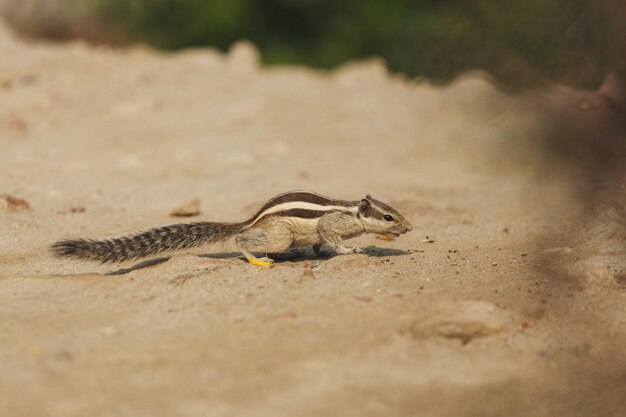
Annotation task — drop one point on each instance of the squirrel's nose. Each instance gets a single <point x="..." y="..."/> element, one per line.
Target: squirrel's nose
<point x="409" y="227"/>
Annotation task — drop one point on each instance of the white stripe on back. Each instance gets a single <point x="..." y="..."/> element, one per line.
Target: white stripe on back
<point x="305" y="206"/>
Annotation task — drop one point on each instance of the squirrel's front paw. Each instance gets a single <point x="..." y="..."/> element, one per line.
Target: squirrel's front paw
<point x="347" y="251"/>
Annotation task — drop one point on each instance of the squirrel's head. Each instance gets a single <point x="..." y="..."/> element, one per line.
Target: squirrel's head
<point x="378" y="217"/>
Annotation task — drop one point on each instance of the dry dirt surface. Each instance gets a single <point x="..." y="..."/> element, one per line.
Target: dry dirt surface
<point x="507" y="298"/>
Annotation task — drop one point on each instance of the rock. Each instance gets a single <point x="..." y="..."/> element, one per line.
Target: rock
<point x="465" y="321"/>
<point x="189" y="209"/>
<point x="14" y="204"/>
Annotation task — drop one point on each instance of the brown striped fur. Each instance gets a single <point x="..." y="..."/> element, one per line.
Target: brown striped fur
<point x="293" y="219"/>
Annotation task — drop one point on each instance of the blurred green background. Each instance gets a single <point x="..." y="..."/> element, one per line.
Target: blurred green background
<point x="521" y="42"/>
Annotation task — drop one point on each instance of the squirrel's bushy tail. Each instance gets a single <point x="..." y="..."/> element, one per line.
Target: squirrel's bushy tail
<point x="147" y="244"/>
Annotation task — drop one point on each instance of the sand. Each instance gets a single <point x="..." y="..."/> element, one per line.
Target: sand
<point x="507" y="298"/>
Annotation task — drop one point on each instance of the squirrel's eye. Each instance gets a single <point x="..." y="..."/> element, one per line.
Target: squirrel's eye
<point x="388" y="217"/>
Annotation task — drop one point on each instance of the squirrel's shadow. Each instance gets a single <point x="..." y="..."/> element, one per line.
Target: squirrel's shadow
<point x="303" y="254"/>
<point x="298" y="254"/>
<point x="306" y="254"/>
<point x="140" y="265"/>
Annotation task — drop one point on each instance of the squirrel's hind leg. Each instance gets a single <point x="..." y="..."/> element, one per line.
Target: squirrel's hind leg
<point x="261" y="240"/>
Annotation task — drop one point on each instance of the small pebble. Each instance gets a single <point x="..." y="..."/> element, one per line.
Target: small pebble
<point x="189" y="209"/>
<point x="13" y="204"/>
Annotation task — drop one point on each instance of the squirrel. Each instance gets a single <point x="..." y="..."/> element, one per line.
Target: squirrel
<point x="289" y="220"/>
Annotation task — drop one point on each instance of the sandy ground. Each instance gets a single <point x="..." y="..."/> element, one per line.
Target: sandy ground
<point x="507" y="298"/>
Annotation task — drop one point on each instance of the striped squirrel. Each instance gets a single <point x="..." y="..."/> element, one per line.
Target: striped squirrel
<point x="289" y="220"/>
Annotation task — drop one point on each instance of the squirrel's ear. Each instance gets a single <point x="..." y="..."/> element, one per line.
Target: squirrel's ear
<point x="369" y="197"/>
<point x="363" y="206"/>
